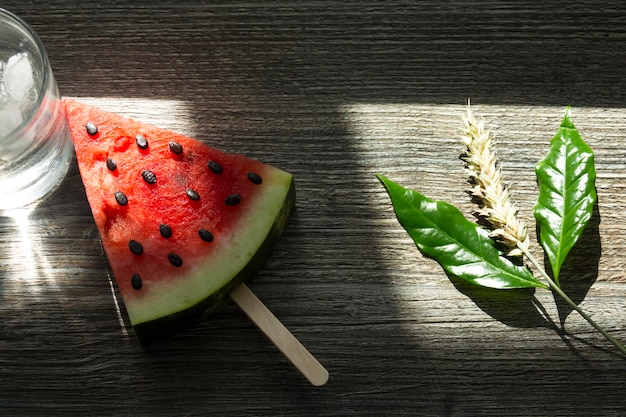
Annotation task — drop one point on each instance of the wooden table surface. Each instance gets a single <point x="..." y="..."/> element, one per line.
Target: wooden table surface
<point x="333" y="92"/>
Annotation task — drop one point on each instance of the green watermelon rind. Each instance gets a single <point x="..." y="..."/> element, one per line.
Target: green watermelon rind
<point x="165" y="326"/>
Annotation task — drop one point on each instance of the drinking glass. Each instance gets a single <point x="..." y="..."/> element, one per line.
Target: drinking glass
<point x="35" y="144"/>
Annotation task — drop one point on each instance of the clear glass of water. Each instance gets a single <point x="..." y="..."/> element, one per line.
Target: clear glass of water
<point x="35" y="144"/>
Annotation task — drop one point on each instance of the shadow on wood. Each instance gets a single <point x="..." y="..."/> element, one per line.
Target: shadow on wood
<point x="516" y="308"/>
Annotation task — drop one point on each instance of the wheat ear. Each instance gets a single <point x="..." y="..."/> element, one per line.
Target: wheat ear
<point x="489" y="188"/>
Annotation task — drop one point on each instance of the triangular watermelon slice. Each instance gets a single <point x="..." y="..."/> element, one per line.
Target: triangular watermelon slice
<point x="182" y="224"/>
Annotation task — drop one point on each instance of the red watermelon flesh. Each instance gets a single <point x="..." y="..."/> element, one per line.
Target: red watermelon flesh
<point x="182" y="223"/>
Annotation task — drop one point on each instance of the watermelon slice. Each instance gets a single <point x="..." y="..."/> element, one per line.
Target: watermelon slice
<point x="182" y="224"/>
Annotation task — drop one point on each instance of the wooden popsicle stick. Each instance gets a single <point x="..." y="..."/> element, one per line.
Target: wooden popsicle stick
<point x="280" y="335"/>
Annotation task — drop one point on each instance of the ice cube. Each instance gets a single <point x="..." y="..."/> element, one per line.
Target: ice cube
<point x="18" y="77"/>
<point x="10" y="118"/>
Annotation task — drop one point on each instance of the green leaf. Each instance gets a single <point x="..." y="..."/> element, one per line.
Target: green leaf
<point x="567" y="193"/>
<point x="461" y="247"/>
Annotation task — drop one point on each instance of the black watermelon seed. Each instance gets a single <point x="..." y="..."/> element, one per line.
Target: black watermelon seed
<point x="176" y="147"/>
<point x="111" y="164"/>
<point x="255" y="178"/>
<point x="192" y="194"/>
<point x="141" y="141"/>
<point x="165" y="230"/>
<point x="175" y="259"/>
<point x="148" y="176"/>
<point x="92" y="129"/>
<point x="136" y="282"/>
<point x="232" y="200"/>
<point x="205" y="235"/>
<point x="121" y="198"/>
<point x="135" y="247"/>
<point x="215" y="167"/>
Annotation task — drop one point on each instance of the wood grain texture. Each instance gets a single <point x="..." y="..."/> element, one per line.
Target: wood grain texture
<point x="333" y="92"/>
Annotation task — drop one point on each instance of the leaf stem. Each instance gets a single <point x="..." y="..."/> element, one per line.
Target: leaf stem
<point x="554" y="287"/>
